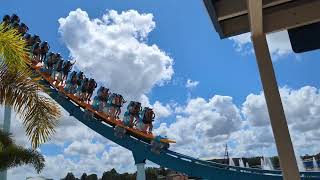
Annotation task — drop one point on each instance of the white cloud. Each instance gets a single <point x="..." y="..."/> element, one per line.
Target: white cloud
<point x="279" y="43"/>
<point x="114" y="50"/>
<point x="191" y="84"/>
<point x="219" y="121"/>
<point x="201" y="123"/>
<point x="161" y="111"/>
<point x="201" y="129"/>
<point x="302" y="110"/>
<point x="58" y="166"/>
<point x="83" y="147"/>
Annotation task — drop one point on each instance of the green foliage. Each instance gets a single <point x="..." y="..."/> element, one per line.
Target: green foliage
<point x="12" y="155"/>
<point x="12" y="48"/>
<point x="20" y="89"/>
<point x="69" y="176"/>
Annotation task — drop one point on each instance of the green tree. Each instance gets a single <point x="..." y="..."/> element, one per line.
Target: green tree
<point x="69" y="176"/>
<point x="84" y="176"/>
<point x="19" y="88"/>
<point x="12" y="155"/>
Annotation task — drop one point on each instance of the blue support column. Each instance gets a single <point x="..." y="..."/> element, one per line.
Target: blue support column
<point x="140" y="162"/>
<point x="6" y="128"/>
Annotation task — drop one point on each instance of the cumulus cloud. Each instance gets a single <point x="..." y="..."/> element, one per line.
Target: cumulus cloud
<point x="83" y="147"/>
<point x="279" y="43"/>
<point x="203" y="125"/>
<point x="58" y="166"/>
<point x="202" y="122"/>
<point x="115" y="52"/>
<point x="191" y="84"/>
<point x="201" y="128"/>
<point x="161" y="111"/>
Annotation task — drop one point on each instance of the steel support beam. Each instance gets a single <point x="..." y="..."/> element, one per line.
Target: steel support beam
<point x="271" y="92"/>
<point x="140" y="161"/>
<point x="141" y="174"/>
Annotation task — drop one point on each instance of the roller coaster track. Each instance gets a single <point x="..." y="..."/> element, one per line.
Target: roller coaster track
<point x="141" y="149"/>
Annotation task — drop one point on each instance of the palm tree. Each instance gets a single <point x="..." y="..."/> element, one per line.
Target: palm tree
<point x="12" y="155"/>
<point x="19" y="88"/>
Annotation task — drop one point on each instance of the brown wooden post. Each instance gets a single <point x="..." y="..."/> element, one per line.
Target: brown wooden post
<point x="271" y="92"/>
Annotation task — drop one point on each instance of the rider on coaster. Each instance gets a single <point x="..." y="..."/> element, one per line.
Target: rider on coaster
<point x="28" y="38"/>
<point x="52" y="60"/>
<point x="91" y="87"/>
<point x="145" y="122"/>
<point x="100" y="100"/>
<point x="35" y="50"/>
<point x="131" y="116"/>
<point x="84" y="89"/>
<point x="44" y="50"/>
<point x="67" y="66"/>
<point x="57" y="71"/>
<point x="45" y="62"/>
<point x="6" y="20"/>
<point x="118" y="105"/>
<point x="111" y="105"/>
<point x="23" y="29"/>
<point x="14" y="19"/>
<point x="71" y="86"/>
<point x="80" y="78"/>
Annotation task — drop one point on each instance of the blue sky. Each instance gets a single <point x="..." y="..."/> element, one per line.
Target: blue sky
<point x="223" y="68"/>
<point x="186" y="33"/>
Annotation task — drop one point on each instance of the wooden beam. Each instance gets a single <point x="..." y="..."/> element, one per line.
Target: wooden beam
<point x="271" y="92"/>
<point x="226" y="9"/>
<point x="255" y="18"/>
<point x="285" y="16"/>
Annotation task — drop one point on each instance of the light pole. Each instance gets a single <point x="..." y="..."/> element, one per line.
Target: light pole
<point x="6" y="128"/>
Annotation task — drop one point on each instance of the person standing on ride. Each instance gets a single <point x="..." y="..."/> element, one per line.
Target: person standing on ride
<point x="128" y="115"/>
<point x="137" y="110"/>
<point x="14" y="19"/>
<point x="97" y="102"/>
<point x="91" y="87"/>
<point x="23" y="29"/>
<point x="57" y="74"/>
<point x="71" y="84"/>
<point x="147" y="119"/>
<point x="6" y="20"/>
<point x="84" y="89"/>
<point x="112" y="101"/>
<point x="133" y="111"/>
<point x="28" y="38"/>
<point x="119" y="104"/>
<point x="52" y="61"/>
<point x="44" y="50"/>
<point x="35" y="50"/>
<point x="100" y="100"/>
<point x="67" y="66"/>
<point x="80" y="78"/>
<point x="45" y="62"/>
<point x="35" y="39"/>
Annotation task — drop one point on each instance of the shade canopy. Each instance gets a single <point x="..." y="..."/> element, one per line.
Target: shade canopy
<point x="230" y="17"/>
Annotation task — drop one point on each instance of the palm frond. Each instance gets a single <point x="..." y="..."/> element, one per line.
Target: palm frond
<point x="12" y="48"/>
<point x="14" y="156"/>
<point x="39" y="113"/>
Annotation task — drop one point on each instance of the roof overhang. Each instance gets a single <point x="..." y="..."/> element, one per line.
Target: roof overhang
<point x="230" y="17"/>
